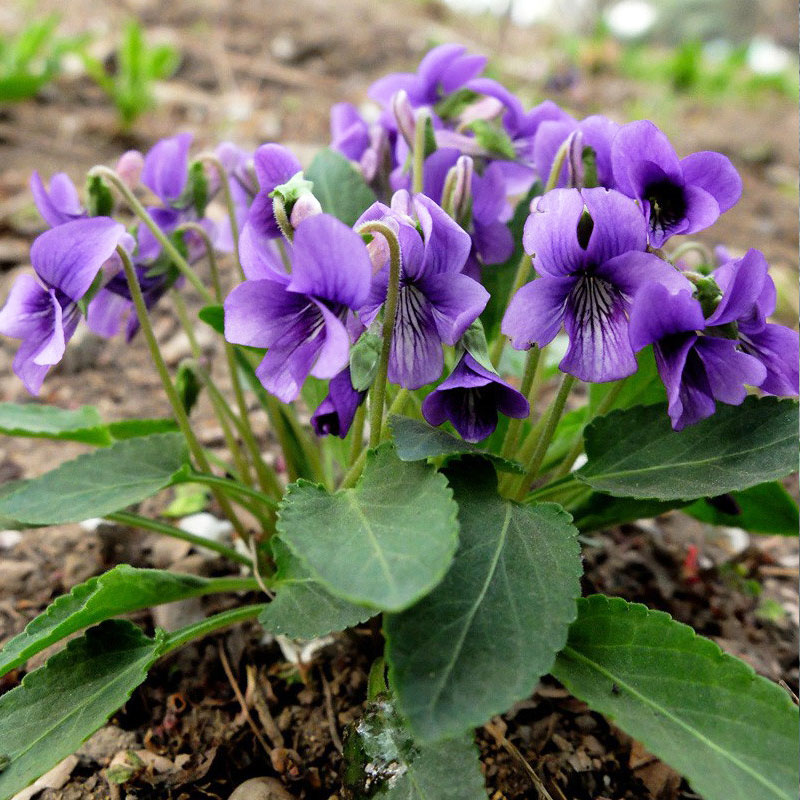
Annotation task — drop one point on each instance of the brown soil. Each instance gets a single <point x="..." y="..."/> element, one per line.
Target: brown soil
<point x="253" y="73"/>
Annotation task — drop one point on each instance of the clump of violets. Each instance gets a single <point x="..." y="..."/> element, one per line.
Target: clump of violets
<point x="606" y="200"/>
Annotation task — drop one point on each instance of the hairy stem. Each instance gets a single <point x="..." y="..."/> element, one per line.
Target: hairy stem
<point x="211" y="625"/>
<point x="141" y="212"/>
<point x="147" y="524"/>
<point x="520" y="279"/>
<point x="178" y="410"/>
<point x="553" y="416"/>
<point x="512" y="433"/>
<point x="418" y="175"/>
<point x="378" y="390"/>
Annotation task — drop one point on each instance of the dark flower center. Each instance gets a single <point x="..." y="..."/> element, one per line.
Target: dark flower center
<point x="667" y="204"/>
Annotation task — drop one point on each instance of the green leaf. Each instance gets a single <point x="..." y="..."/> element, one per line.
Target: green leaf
<point x="493" y="139"/>
<point x="381" y="759"/>
<point x="385" y="543"/>
<point x="416" y="441"/>
<point x="635" y="452"/>
<point x="61" y="704"/>
<point x="732" y="733"/>
<point x="118" y="591"/>
<point x="189" y="498"/>
<point x="213" y="315"/>
<point x="100" y="482"/>
<point x="767" y="508"/>
<point x="132" y="428"/>
<point x="48" y="422"/>
<point x="303" y="608"/>
<point x="482" y="639"/>
<point x="339" y="187"/>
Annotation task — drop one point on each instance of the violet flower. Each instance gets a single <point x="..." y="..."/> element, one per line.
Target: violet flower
<point x="241" y="180"/>
<point x="588" y="248"/>
<point x="471" y="397"/>
<point x="336" y="412"/>
<point x="443" y="70"/>
<point x="45" y="315"/>
<point x="274" y="165"/>
<point x="300" y="317"/>
<point x="58" y="203"/>
<point x="678" y="196"/>
<point x="437" y="302"/>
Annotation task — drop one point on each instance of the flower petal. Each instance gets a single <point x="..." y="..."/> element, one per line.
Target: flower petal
<point x="447" y="245"/>
<point x="551" y="233"/>
<point x="274" y="165"/>
<point x="728" y="369"/>
<point x="456" y="300"/>
<point x="330" y="261"/>
<point x="618" y="226"/>
<point x="536" y="311"/>
<point x="636" y="147"/>
<point x="744" y="286"/>
<point x="714" y="173"/>
<point x="595" y="320"/>
<point x="61" y="203"/>
<point x="166" y="167"/>
<point x="776" y="347"/>
<point x="631" y="271"/>
<point x="688" y="393"/>
<point x="334" y="348"/>
<point x="656" y="314"/>
<point x="416" y="356"/>
<point x="70" y="256"/>
<point x="259" y="312"/>
<point x="106" y="312"/>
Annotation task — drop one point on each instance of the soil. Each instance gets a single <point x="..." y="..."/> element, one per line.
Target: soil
<point x="252" y="74"/>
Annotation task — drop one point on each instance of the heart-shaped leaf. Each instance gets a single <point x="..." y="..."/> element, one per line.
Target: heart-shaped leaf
<point x="385" y="543"/>
<point x="482" y="639"/>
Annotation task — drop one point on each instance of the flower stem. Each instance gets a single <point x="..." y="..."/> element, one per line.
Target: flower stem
<point x="141" y="212"/>
<point x="211" y="158"/>
<point x="553" y="416"/>
<point x="178" y="410"/>
<point x="357" y="440"/>
<point x="136" y="521"/>
<point x="378" y="390"/>
<point x="512" y="433"/>
<point x="211" y="625"/>
<point x="558" y="164"/>
<point x="230" y="485"/>
<point x="577" y="446"/>
<point x="267" y="479"/>
<point x="687" y="247"/>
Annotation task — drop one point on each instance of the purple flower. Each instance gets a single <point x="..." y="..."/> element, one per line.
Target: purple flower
<point x="60" y="202"/>
<point x="300" y="317"/>
<point x="588" y="248"/>
<point x="677" y="196"/>
<point x="492" y="242"/>
<point x="336" y="412"/>
<point x="705" y="357"/>
<point x="166" y="168"/>
<point x="470" y="397"/>
<point x="349" y="131"/>
<point x="437" y="302"/>
<point x="443" y="70"/>
<point x="274" y="166"/>
<point x="243" y="188"/>
<point x="44" y="315"/>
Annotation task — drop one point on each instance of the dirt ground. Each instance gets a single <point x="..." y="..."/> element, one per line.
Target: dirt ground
<point x="234" y="706"/>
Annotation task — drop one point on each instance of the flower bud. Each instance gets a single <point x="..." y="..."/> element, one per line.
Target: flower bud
<point x="404" y="114"/>
<point x="129" y="168"/>
<point x="305" y="206"/>
<point x="462" y="190"/>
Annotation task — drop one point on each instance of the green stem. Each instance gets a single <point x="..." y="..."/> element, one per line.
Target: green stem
<point x="520" y="278"/>
<point x="512" y="433"/>
<point x="136" y="521"/>
<point x="211" y="158"/>
<point x="378" y="390"/>
<point x="282" y="218"/>
<point x="267" y="479"/>
<point x="558" y="163"/>
<point x="577" y="446"/>
<point x="230" y="485"/>
<point x="178" y="410"/>
<point x="553" y="416"/>
<point x="141" y="212"/>
<point x="221" y="408"/>
<point x="211" y="625"/>
<point x="687" y="247"/>
<point x="357" y="440"/>
<point x="418" y="173"/>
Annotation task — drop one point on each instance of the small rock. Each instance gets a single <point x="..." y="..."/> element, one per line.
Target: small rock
<point x="9" y="539"/>
<point x="13" y="574"/>
<point x="261" y="789"/>
<point x="105" y="743"/>
<point x="172" y="616"/>
<point x="208" y="526"/>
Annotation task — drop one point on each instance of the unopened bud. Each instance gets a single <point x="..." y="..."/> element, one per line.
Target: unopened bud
<point x="129" y="168"/>
<point x="404" y="114"/>
<point x="462" y="190"/>
<point x="575" y="160"/>
<point x="305" y="206"/>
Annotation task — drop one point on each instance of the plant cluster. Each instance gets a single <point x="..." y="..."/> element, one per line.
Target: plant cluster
<point x="418" y="288"/>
